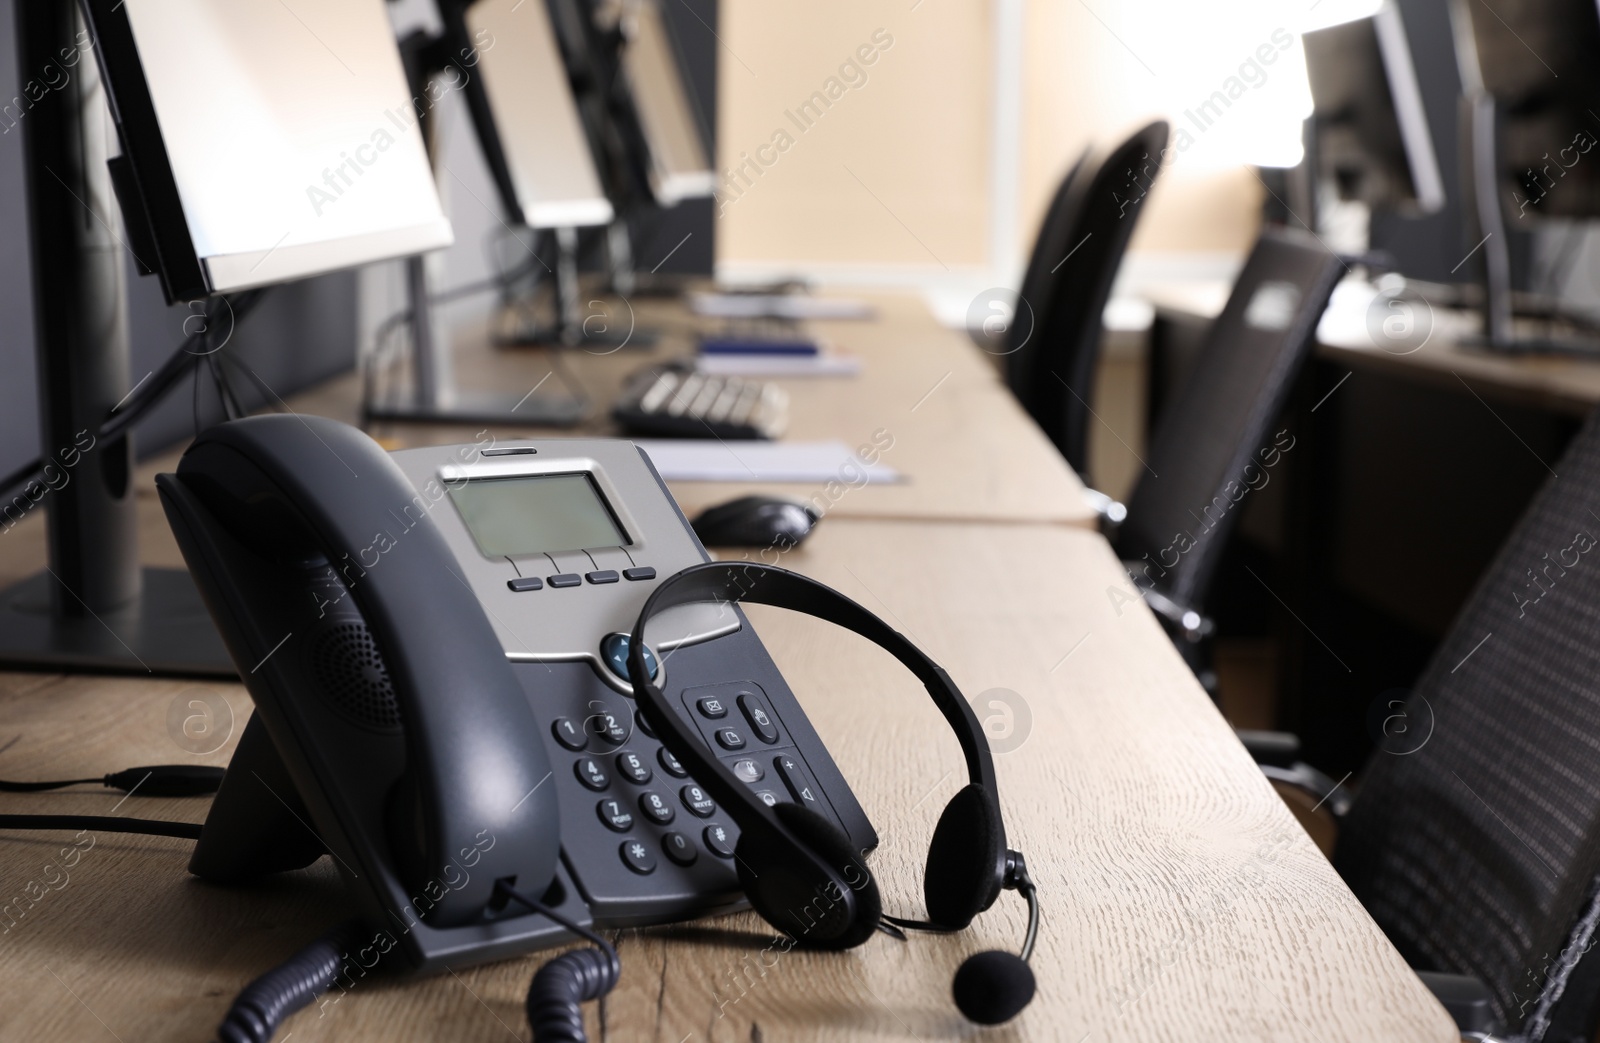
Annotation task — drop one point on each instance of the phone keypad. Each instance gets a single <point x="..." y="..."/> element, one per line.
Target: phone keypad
<point x="615" y="815"/>
<point x="638" y="858"/>
<point x="718" y="840"/>
<point x="670" y="764"/>
<point x="698" y="801"/>
<point x="680" y="849"/>
<point x="656" y="808"/>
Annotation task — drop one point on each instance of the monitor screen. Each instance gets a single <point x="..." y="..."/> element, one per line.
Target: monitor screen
<point x="543" y="514"/>
<point x="289" y="134"/>
<point x="534" y="117"/>
<point x="678" y="167"/>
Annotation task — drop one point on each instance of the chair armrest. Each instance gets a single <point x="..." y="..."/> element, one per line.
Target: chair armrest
<point x="1279" y="749"/>
<point x="1304" y="777"/>
<point x="1109" y="510"/>
<point x="1467" y="1000"/>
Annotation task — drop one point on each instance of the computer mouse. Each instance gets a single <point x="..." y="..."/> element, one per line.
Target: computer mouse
<point x="755" y="521"/>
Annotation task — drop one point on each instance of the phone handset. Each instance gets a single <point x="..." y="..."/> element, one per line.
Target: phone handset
<point x="293" y="488"/>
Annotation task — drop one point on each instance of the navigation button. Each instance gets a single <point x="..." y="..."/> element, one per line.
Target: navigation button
<point x="638" y="858"/>
<point x="755" y="711"/>
<point x="614" y="651"/>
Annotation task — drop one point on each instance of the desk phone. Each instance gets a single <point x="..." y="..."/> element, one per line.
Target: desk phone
<point x="436" y="643"/>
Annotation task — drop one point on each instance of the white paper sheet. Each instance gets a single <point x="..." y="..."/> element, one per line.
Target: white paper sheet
<point x="708" y="460"/>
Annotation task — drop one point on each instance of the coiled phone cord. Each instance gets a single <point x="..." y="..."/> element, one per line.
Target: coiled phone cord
<point x="562" y="985"/>
<point x="259" y="1010"/>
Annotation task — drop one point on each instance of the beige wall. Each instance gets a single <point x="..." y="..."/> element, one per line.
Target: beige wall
<point x="897" y="173"/>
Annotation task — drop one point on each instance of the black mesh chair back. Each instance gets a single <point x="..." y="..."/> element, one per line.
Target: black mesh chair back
<point x="1053" y="343"/>
<point x="1474" y="840"/>
<point x="1216" y="442"/>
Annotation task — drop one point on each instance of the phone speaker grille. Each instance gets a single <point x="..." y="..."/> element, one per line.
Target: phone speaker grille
<point x="352" y="678"/>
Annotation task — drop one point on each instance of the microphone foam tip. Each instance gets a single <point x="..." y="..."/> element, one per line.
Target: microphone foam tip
<point x="993" y="987"/>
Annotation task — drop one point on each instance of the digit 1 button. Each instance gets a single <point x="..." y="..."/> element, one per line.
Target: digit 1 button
<point x="656" y="809"/>
<point x="698" y="801"/>
<point x="729" y="739"/>
<point x="679" y="848"/>
<point x="670" y="765"/>
<point x="591" y="774"/>
<point x="718" y="841"/>
<point x="633" y="767"/>
<point x="755" y="711"/>
<point x="569" y="734"/>
<point x="795" y="781"/>
<point x="615" y="816"/>
<point x="638" y="857"/>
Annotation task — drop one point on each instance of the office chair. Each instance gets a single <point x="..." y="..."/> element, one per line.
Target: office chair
<point x="1216" y="442"/>
<point x="1474" y="839"/>
<point x="1050" y="362"/>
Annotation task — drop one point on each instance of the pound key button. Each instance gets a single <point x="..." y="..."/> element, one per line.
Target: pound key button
<point x="569" y="734"/>
<point x="638" y="857"/>
<point x="614" y="815"/>
<point x="679" y="848"/>
<point x="718" y="841"/>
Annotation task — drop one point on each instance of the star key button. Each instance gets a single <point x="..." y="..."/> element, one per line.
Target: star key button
<point x="638" y="858"/>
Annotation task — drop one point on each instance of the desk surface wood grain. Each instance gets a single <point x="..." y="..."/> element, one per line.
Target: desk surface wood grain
<point x="1180" y="897"/>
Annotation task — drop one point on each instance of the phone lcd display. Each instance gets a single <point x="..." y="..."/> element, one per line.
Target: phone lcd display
<point x="544" y="514"/>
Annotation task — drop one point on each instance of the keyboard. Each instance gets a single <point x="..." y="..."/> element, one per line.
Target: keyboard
<point x="676" y="401"/>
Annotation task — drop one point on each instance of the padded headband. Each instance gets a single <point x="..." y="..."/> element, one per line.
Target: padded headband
<point x="769" y="585"/>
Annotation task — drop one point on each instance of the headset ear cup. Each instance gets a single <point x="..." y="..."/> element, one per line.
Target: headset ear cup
<point x="792" y="893"/>
<point x="965" y="860"/>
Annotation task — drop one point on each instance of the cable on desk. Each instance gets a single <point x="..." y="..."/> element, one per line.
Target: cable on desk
<point x="156" y="780"/>
<point x="104" y="823"/>
<point x="262" y="1006"/>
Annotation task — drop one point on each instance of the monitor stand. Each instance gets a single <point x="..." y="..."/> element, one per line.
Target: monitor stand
<point x="594" y="333"/>
<point x="434" y="399"/>
<point x="93" y="608"/>
<point x="1500" y="334"/>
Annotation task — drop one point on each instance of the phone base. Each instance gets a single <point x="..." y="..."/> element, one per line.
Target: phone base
<point x="166" y="631"/>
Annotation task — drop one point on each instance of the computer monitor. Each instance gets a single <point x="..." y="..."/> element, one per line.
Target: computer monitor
<point x="265" y="144"/>
<point x="1369" y="139"/>
<point x="1539" y="61"/>
<point x="676" y="163"/>
<point x="1530" y="70"/>
<point x="524" y="114"/>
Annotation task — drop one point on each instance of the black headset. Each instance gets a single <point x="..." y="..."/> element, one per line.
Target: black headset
<point x="797" y="868"/>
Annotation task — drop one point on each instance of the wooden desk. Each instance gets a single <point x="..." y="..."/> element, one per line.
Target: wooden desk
<point x="966" y="448"/>
<point x="1180" y="897"/>
<point x="1553" y="383"/>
